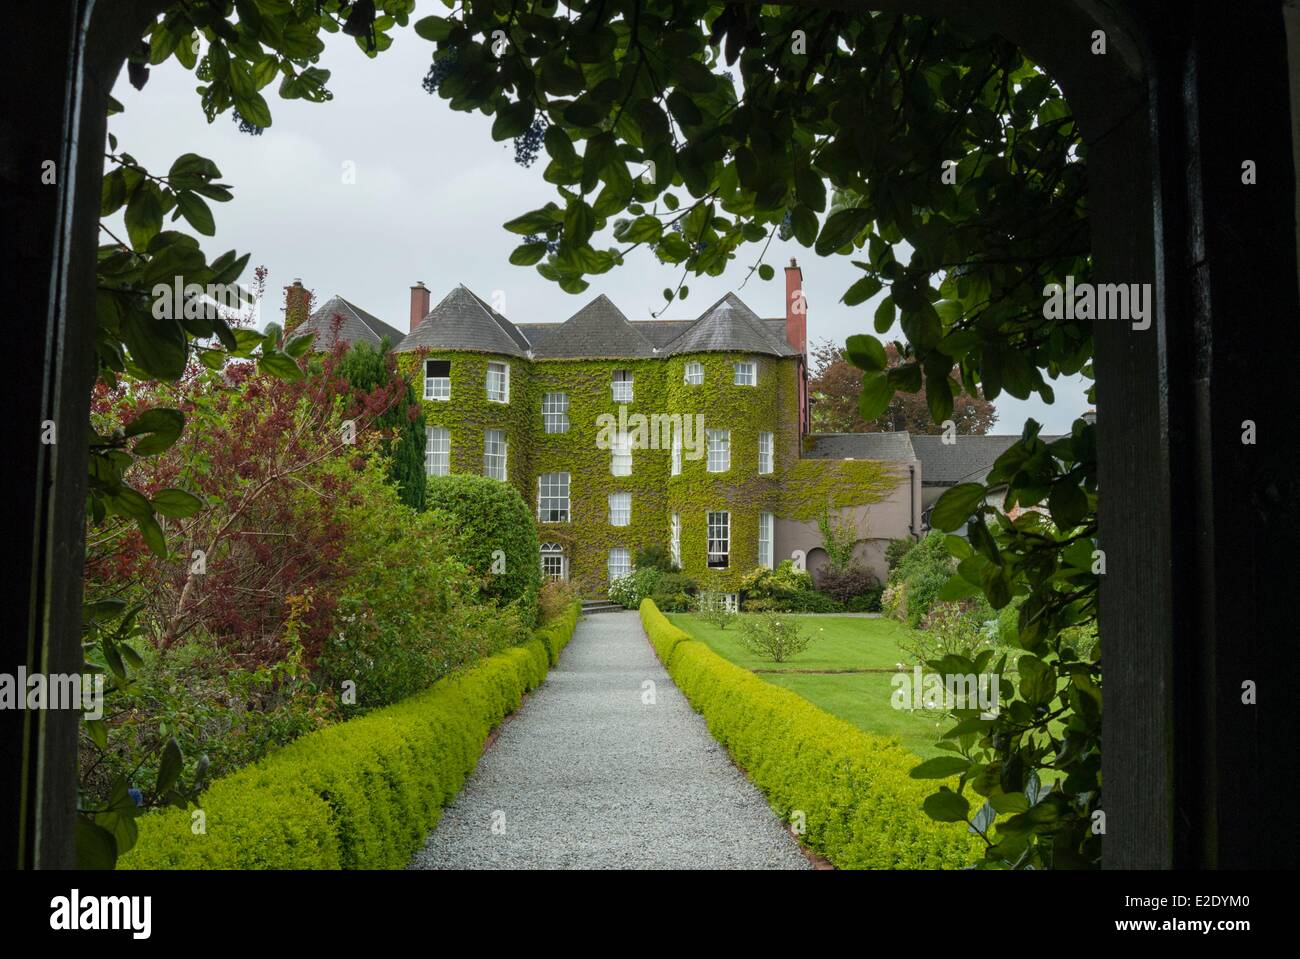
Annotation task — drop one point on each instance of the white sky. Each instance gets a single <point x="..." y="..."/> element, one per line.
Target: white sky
<point x="430" y="194"/>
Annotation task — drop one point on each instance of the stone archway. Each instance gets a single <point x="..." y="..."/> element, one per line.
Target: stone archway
<point x="1167" y="113"/>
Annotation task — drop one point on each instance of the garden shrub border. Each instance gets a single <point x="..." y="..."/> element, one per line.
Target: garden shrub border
<point x="362" y="794"/>
<point x="862" y="809"/>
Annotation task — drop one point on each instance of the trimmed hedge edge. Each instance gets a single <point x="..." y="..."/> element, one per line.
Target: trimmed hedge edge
<point x="860" y="807"/>
<point x="362" y="794"/>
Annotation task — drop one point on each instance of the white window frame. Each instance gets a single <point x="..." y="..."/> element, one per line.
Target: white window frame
<point x="552" y="489"/>
<point x="501" y="372"/>
<point x="554" y="551"/>
<point x="744" y="373"/>
<point x="437" y="387"/>
<point x="675" y="538"/>
<point x="620" y="455"/>
<point x="555" y="412"/>
<point x="620" y="560"/>
<point x="766" y="534"/>
<point x="677" y="451"/>
<point x="437" y="451"/>
<point x="719" y="451"/>
<point x="621" y="386"/>
<point x="766" y="458"/>
<point x="717" y="539"/>
<point x="693" y="374"/>
<point x="491" y="439"/>
<point x="620" y="509"/>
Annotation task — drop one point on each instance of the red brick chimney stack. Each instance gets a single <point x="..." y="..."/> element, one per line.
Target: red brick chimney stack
<point x="419" y="303"/>
<point x="796" y="308"/>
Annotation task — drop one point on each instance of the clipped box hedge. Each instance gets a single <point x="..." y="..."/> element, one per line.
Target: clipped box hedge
<point x="862" y="809"/>
<point x="362" y="794"/>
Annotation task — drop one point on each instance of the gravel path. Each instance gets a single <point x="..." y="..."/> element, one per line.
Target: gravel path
<point x="586" y="776"/>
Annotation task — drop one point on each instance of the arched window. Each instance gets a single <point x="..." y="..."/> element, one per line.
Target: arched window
<point x="555" y="565"/>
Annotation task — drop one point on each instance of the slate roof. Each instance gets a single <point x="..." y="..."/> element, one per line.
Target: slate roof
<point x="860" y="446"/>
<point x="968" y="460"/>
<point x="729" y="326"/>
<point x="357" y="326"/>
<point x="599" y="329"/>
<point x="462" y="321"/>
<point x="662" y="332"/>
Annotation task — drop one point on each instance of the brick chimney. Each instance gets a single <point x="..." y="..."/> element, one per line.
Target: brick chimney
<point x="796" y="308"/>
<point x="796" y="334"/>
<point x="419" y="303"/>
<point x="297" y="305"/>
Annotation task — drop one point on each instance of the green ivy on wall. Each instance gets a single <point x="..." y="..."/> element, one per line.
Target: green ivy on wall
<point x="796" y="489"/>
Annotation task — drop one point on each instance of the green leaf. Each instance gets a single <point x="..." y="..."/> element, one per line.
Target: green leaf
<point x="298" y="346"/>
<point x="877" y="392"/>
<point x="176" y="503"/>
<point x="169" y="766"/>
<point x="956" y="505"/>
<point x="159" y="347"/>
<point x="940" y="767"/>
<point x="579" y="222"/>
<point x="527" y="254"/>
<point x="938" y="397"/>
<point x="536" y="221"/>
<point x="866" y="353"/>
<point x="434" y="28"/>
<point x="280" y="365"/>
<point x="144" y="215"/>
<point x="97" y="730"/>
<point x="841" y="228"/>
<point x="1009" y="802"/>
<point x="956" y="547"/>
<point x="644" y="229"/>
<point x="512" y="119"/>
<point x="153" y="536"/>
<point x="957" y="588"/>
<point x="163" y="426"/>
<point x="946" y="806"/>
<point x="766" y="271"/>
<point x="884" y="318"/>
<point x="864" y="289"/>
<point x="96" y="847"/>
<point x="811" y="189"/>
<point x="695" y="77"/>
<point x="196" y="211"/>
<point x="252" y="107"/>
<point x="1068" y="504"/>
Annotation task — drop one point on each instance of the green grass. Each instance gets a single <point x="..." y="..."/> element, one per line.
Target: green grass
<point x="842" y="643"/>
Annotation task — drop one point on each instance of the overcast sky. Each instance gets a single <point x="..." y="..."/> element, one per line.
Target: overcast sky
<point x="430" y="194"/>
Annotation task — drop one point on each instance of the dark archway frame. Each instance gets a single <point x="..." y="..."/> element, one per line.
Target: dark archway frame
<point x="1195" y="525"/>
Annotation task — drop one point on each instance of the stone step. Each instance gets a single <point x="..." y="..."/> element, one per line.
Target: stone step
<point x="597" y="606"/>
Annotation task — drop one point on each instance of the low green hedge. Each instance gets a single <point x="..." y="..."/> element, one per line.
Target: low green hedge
<point x="362" y="794"/>
<point x="556" y="634"/>
<point x="862" y="809"/>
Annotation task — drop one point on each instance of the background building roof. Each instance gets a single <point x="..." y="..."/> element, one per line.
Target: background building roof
<point x="859" y="446"/>
<point x="462" y="321"/>
<point x="356" y="326"/>
<point x="968" y="460"/>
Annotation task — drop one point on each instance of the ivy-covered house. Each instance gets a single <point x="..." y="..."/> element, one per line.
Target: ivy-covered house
<point x="689" y="434"/>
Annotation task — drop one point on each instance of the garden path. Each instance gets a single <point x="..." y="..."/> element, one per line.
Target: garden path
<point x="589" y="774"/>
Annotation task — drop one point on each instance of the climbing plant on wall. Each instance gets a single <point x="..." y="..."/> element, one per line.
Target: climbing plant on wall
<point x="796" y="489"/>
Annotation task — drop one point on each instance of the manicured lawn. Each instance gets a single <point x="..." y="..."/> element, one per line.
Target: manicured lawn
<point x="843" y="643"/>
